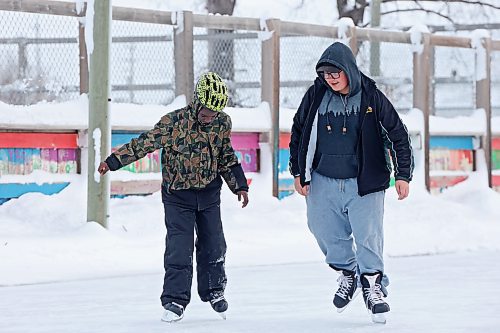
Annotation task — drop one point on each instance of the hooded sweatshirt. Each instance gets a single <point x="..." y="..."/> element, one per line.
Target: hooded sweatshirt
<point x="338" y="118"/>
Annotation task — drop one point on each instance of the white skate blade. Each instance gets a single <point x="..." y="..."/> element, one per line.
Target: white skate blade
<point x="356" y="292"/>
<point x="170" y="317"/>
<point x="222" y="315"/>
<point x="378" y="318"/>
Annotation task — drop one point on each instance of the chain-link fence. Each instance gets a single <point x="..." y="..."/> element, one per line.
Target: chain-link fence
<point x="38" y="58"/>
<point x="298" y="58"/>
<point x="495" y="77"/>
<point x="391" y="66"/>
<point x="236" y="56"/>
<point x="39" y="61"/>
<point x="142" y="68"/>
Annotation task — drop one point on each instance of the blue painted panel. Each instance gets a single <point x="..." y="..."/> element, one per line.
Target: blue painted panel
<point x="452" y="142"/>
<point x="284" y="156"/>
<point x="120" y="138"/>
<point x="4" y="161"/>
<point x="285" y="187"/>
<point x="284" y="194"/>
<point x="16" y="190"/>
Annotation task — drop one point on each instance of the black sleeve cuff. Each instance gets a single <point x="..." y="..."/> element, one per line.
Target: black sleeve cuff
<point x="113" y="162"/>
<point x="402" y="178"/>
<point x="241" y="180"/>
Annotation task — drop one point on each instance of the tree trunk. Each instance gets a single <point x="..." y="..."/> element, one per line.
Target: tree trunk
<point x="355" y="13"/>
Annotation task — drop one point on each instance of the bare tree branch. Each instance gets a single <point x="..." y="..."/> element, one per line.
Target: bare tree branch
<point x="470" y="2"/>
<point x="418" y="10"/>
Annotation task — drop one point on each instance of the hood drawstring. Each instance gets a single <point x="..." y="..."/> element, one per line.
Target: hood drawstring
<point x="328" y="126"/>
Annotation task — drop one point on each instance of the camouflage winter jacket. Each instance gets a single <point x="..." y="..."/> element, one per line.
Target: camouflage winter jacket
<point x="192" y="155"/>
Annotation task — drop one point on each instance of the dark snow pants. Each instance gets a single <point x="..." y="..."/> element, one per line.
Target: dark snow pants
<point x="187" y="211"/>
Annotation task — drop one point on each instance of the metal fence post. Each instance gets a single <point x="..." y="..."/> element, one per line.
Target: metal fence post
<point x="183" y="55"/>
<point x="421" y="100"/>
<point x="270" y="90"/>
<point x="99" y="135"/>
<point x="483" y="95"/>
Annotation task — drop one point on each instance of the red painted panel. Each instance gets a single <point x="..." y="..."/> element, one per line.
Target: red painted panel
<point x="495" y="180"/>
<point x="38" y="140"/>
<point x="495" y="143"/>
<point x="446" y="181"/>
<point x="284" y="140"/>
<point x="442" y="159"/>
<point x="245" y="140"/>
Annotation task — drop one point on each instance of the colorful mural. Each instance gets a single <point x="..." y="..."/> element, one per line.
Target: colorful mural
<point x="22" y="153"/>
<point x="448" y="153"/>
<point x="246" y="146"/>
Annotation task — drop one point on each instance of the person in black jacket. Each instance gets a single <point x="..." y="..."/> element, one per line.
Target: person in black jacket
<point x="344" y="135"/>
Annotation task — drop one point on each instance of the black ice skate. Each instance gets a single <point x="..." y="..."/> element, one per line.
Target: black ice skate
<point x="220" y="305"/>
<point x="374" y="297"/>
<point x="173" y="312"/>
<point x="347" y="291"/>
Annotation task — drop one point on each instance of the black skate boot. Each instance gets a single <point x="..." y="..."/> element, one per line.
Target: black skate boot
<point x="220" y="305"/>
<point x="173" y="312"/>
<point x="374" y="297"/>
<point x="348" y="284"/>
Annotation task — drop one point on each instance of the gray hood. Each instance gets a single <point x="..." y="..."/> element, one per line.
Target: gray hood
<point x="341" y="56"/>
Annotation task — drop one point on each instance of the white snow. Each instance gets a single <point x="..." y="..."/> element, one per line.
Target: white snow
<point x="79" y="5"/>
<point x="416" y="32"/>
<point x="344" y="24"/>
<point x="475" y="124"/>
<point x="96" y="136"/>
<point x="89" y="29"/>
<point x="179" y="22"/>
<point x="264" y="34"/>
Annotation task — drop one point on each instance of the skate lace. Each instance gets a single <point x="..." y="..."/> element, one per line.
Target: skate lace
<point x="374" y="294"/>
<point x="345" y="284"/>
<point x="217" y="299"/>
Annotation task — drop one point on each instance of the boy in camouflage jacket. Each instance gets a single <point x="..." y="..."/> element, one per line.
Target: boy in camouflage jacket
<point x="195" y="152"/>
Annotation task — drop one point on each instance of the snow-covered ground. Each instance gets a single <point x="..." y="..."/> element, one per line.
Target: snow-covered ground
<point x="445" y="293"/>
<point x="61" y="274"/>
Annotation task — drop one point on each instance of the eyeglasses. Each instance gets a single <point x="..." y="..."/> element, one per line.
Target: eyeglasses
<point x="328" y="75"/>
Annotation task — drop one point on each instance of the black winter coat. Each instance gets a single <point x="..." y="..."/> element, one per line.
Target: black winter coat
<point x="381" y="129"/>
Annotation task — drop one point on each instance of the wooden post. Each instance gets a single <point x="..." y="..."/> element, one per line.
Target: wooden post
<point x="99" y="135"/>
<point x="432" y="86"/>
<point x="353" y="40"/>
<point x="375" y="46"/>
<point x="84" y="63"/>
<point x="183" y="55"/>
<point x="421" y="89"/>
<point x="483" y="95"/>
<point x="270" y="91"/>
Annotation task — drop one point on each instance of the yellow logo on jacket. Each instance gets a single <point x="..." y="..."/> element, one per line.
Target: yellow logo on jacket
<point x="369" y="109"/>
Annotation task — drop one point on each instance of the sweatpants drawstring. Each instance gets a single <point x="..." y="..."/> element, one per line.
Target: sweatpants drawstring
<point x="341" y="185"/>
